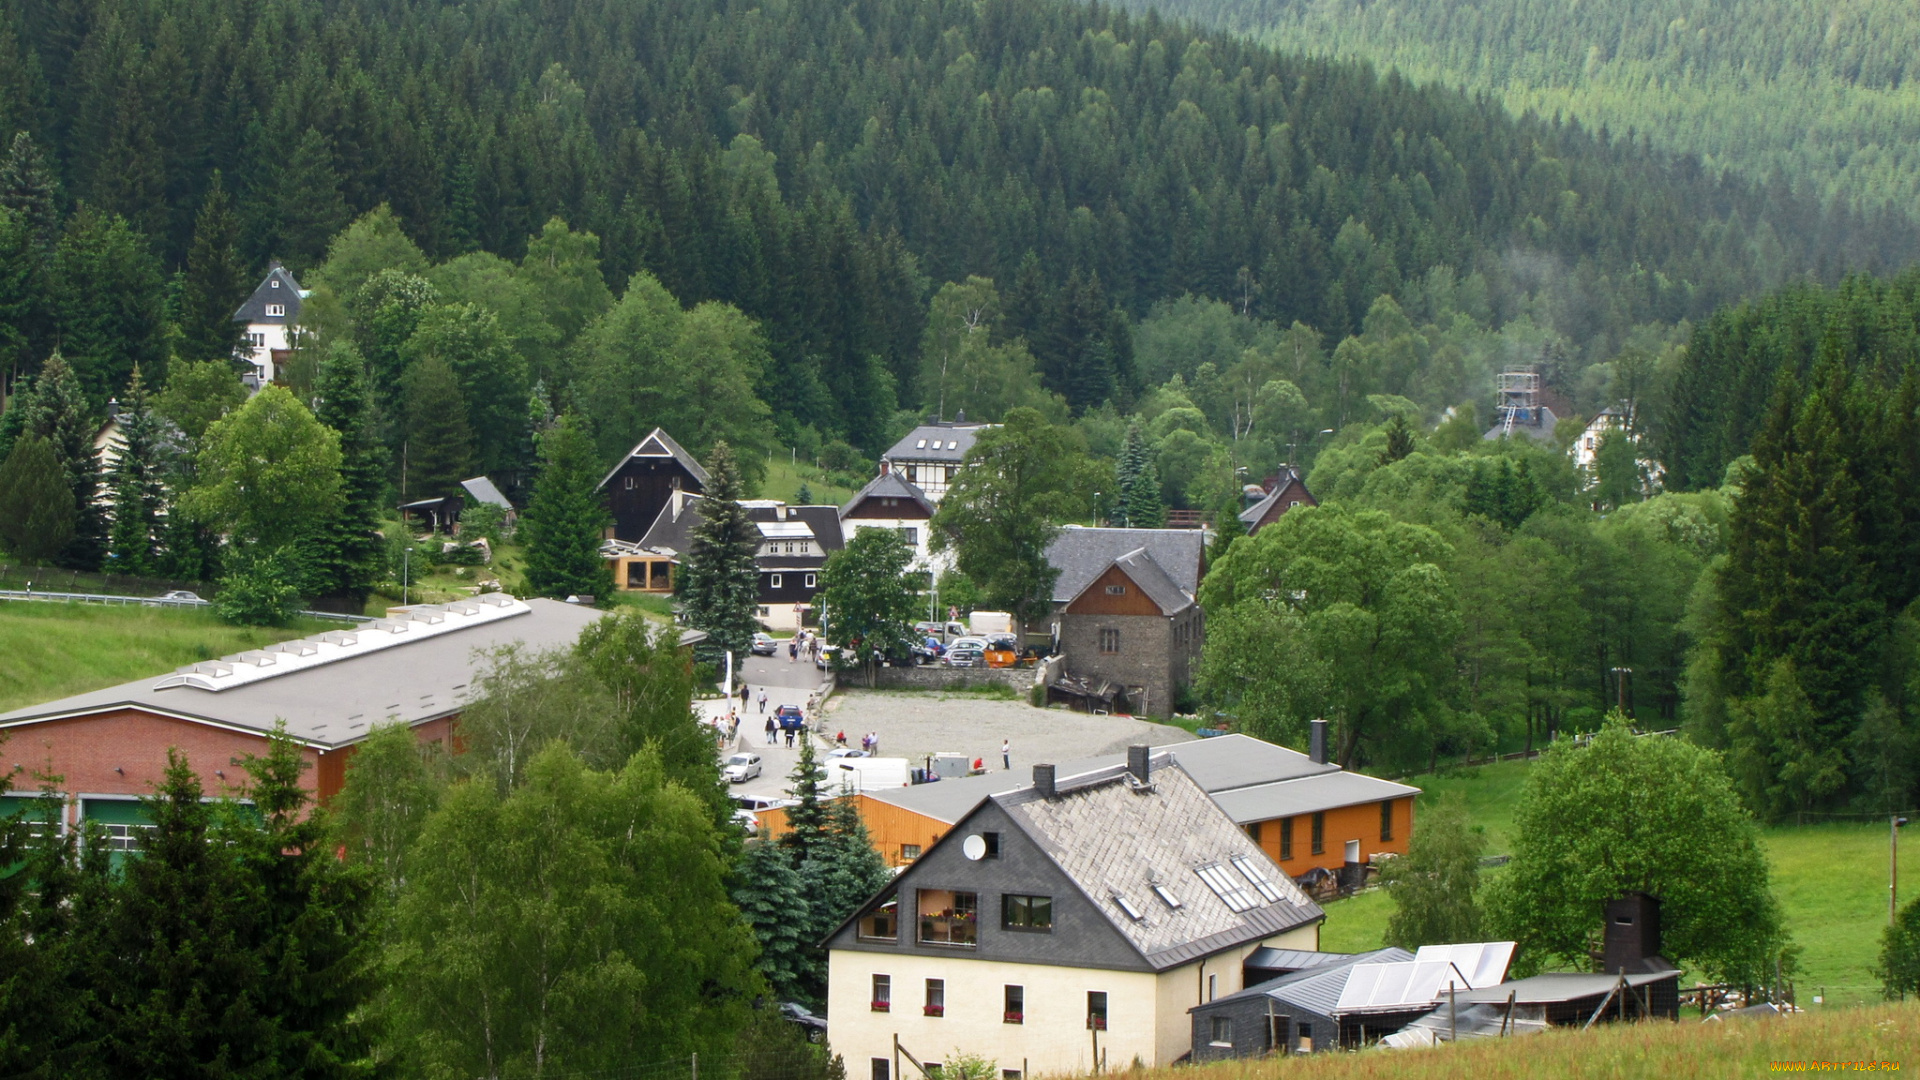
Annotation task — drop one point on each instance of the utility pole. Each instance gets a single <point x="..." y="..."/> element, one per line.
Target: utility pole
<point x="1893" y="867"/>
<point x="1620" y="686"/>
<point x="406" y="571"/>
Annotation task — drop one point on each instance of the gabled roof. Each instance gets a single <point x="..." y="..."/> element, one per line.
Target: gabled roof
<point x="278" y="287"/>
<point x="481" y="490"/>
<point x="888" y="484"/>
<point x="1152" y="581"/>
<point x="1082" y="554"/>
<point x="659" y="444"/>
<point x="672" y="530"/>
<point x="944" y="442"/>
<point x="1252" y="514"/>
<point x="331" y="688"/>
<point x="1115" y="838"/>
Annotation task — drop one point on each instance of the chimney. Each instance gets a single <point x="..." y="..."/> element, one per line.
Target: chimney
<point x="960" y="417"/>
<point x="886" y="466"/>
<point x="1317" y="748"/>
<point x="1043" y="780"/>
<point x="1631" y="935"/>
<point x="1139" y="761"/>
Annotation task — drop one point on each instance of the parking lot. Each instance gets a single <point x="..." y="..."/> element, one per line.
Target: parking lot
<point x="916" y="725"/>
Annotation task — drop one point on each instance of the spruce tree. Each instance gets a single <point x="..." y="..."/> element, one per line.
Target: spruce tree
<point x="28" y="188"/>
<point x="1141" y="499"/>
<point x="806" y="833"/>
<point x="109" y="302"/>
<point x="55" y="409"/>
<point x="565" y="518"/>
<point x="1133" y="458"/>
<point x="36" y="505"/>
<point x="353" y="550"/>
<point x="719" y="582"/>
<point x="770" y="898"/>
<point x="139" y="492"/>
<point x="310" y="205"/>
<point x="217" y="282"/>
<point x="1227" y="529"/>
<point x="439" y="443"/>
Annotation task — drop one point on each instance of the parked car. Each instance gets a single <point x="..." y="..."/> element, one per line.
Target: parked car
<point x="845" y="751"/>
<point x="922" y="655"/>
<point x="756" y="803"/>
<point x="827" y="653"/>
<point x="979" y="643"/>
<point x="184" y="597"/>
<point x="1007" y="642"/>
<point x="814" y="1026"/>
<point x="742" y="768"/>
<point x="967" y="657"/>
<point x="765" y="644"/>
<point x="789" y="716"/>
<point x="748" y="821"/>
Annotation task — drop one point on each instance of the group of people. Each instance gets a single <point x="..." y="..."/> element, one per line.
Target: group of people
<point x="805" y="643"/>
<point x="870" y="742"/>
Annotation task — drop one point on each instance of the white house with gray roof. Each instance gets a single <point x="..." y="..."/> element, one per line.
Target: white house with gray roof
<point x="271" y="315"/>
<point x="929" y="456"/>
<point x="1063" y="927"/>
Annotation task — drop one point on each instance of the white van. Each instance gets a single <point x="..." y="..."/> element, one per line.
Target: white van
<point x="867" y="774"/>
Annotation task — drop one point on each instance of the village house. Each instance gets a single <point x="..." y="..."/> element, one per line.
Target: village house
<point x="1065" y="927"/>
<point x="1586" y="448"/>
<point x="795" y="542"/>
<point x="443" y="514"/>
<point x="1311" y="817"/>
<point x="890" y="501"/>
<point x="641" y="484"/>
<point x="416" y="667"/>
<point x="929" y="456"/>
<point x="1125" y="614"/>
<point x="271" y="315"/>
<point x="1284" y="492"/>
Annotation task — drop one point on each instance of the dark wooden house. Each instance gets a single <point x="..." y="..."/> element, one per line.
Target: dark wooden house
<point x="643" y="481"/>
<point x="1284" y="492"/>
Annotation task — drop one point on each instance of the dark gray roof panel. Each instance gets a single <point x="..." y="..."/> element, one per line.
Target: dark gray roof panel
<point x="1082" y="554"/>
<point x="889" y="483"/>
<point x="278" y="287"/>
<point x="1308" y="795"/>
<point x="1152" y="579"/>
<point x="660" y="444"/>
<point x="947" y="442"/>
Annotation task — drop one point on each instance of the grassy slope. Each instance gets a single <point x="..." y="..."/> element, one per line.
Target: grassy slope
<point x="1884" y="1033"/>
<point x="1831" y="880"/>
<point x="784" y="479"/>
<point x="52" y="650"/>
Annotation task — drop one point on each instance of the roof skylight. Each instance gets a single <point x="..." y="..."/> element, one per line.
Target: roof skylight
<point x="1166" y="894"/>
<point x="1260" y="880"/>
<point x="1126" y="905"/>
<point x="1232" y="893"/>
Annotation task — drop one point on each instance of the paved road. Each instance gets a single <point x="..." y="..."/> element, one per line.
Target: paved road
<point x="786" y="682"/>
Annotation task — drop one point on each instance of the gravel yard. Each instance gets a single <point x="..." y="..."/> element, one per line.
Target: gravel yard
<point x="913" y="725"/>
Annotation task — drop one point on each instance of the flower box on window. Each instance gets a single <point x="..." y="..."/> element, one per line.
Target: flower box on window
<point x="881" y="1006"/>
<point x="1014" y="1018"/>
<point x="1097" y="1023"/>
<point x="935" y="1010"/>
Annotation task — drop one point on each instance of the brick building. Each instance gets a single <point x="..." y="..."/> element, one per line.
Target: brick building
<point x="417" y="667"/>
<point x="1124" y="610"/>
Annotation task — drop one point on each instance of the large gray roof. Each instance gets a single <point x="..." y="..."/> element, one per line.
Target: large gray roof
<point x="278" y="287"/>
<point x="1556" y="986"/>
<point x="672" y="529"/>
<point x="481" y="490"/>
<point x="1152" y="579"/>
<point x="889" y="483"/>
<point x="944" y="442"/>
<point x="1082" y="554"/>
<point x="1316" y="989"/>
<point x="1308" y="795"/>
<point x="334" y="703"/>
<point x="1116" y="838"/>
<point x="1220" y="766"/>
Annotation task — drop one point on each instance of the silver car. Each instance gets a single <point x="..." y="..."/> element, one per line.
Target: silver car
<point x="741" y="768"/>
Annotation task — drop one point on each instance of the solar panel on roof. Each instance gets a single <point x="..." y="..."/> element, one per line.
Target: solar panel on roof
<point x="1481" y="963"/>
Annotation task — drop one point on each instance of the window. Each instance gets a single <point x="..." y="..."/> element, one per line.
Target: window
<point x="882" y="923"/>
<point x="763" y="611"/>
<point x="1258" y="877"/>
<point x="909" y="852"/>
<point x="921" y="445"/>
<point x="1222" y="1031"/>
<point x="1016" y="1005"/>
<point x="774" y="581"/>
<point x="882" y="1069"/>
<point x="911" y="536"/>
<point x="949" y="918"/>
<point x="276" y="311"/>
<point x="992" y="841"/>
<point x="273" y="283"/>
<point x="1026" y="912"/>
<point x="1116" y="590"/>
<point x="1286" y="839"/>
<point x="1320" y="834"/>
<point x="936" y="998"/>
<point x="1386" y="821"/>
<point x="1213" y="987"/>
<point x="810" y="581"/>
<point x="1097" y="1010"/>
<point x="629" y="483"/>
<point x="882" y="993"/>
<point x="1253" y="831"/>
<point x="1110" y="641"/>
<point x="1126" y="905"/>
<point x="1235" y="895"/>
<point x="1166" y="896"/>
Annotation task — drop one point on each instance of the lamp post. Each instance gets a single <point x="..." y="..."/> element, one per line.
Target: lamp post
<point x="1893" y="867"/>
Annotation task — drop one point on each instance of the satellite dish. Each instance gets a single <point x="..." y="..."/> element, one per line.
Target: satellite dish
<point x="974" y="847"/>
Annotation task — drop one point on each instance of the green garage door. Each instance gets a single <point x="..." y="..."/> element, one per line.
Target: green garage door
<point x="125" y="821"/>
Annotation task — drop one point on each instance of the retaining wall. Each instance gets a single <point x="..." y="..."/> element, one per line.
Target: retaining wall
<point x="937" y="677"/>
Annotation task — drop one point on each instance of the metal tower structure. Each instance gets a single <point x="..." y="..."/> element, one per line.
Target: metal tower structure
<point x="1519" y="397"/>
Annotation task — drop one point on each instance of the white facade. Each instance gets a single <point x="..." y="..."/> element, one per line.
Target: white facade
<point x="931" y="477"/>
<point x="915" y="531"/>
<point x="1147" y="1018"/>
<point x="1586" y="450"/>
<point x="262" y="338"/>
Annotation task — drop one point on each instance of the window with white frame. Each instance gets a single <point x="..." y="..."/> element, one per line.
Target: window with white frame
<point x="811" y="579"/>
<point x="276" y="311"/>
<point x="774" y="581"/>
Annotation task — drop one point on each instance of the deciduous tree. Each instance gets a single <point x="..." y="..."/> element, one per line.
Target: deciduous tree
<point x="868" y="596"/>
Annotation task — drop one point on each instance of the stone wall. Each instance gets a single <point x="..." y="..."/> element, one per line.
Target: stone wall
<point x="939" y="677"/>
<point x="1146" y="658"/>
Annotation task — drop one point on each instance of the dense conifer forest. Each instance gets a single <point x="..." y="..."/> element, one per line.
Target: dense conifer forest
<point x="1822" y="96"/>
<point x="824" y="168"/>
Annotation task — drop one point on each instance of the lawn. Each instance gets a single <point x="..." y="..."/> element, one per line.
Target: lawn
<point x="1831" y="881"/>
<point x="784" y="479"/>
<point x="50" y="651"/>
<point x="1842" y="1040"/>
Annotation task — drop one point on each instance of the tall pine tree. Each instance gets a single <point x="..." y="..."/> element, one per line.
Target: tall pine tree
<point x="438" y="452"/>
<point x="217" y="282"/>
<point x="136" y="480"/>
<point x="719" y="582"/>
<point x="54" y="408"/>
<point x="353" y="552"/>
<point x="565" y="518"/>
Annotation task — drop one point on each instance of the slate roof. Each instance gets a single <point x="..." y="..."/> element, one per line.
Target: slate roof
<point x="1259" y="510"/>
<point x="1114" y="837"/>
<point x="889" y="483"/>
<point x="1082" y="554"/>
<point x="481" y="490"/>
<point x="946" y="442"/>
<point x="672" y="530"/>
<point x="1307" y="795"/>
<point x="335" y="703"/>
<point x="659" y="444"/>
<point x="1316" y="989"/>
<point x="278" y="287"/>
<point x="1219" y="765"/>
<point x="1542" y="431"/>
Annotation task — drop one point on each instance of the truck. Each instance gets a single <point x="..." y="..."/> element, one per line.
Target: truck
<point x="866" y="774"/>
<point x="991" y="622"/>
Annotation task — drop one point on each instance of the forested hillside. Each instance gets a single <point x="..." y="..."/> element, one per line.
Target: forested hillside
<point x="1820" y="94"/>
<point x="824" y="168"/>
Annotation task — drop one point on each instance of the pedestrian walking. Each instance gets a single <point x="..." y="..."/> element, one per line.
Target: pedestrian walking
<point x="793" y="649"/>
<point x="1006" y="753"/>
<point x="763" y="699"/>
<point x="789" y="738"/>
<point x="770" y="730"/>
